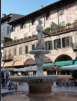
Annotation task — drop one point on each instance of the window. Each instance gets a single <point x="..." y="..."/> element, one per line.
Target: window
<point x="26" y="49"/>
<point x="57" y="43"/>
<point x="20" y="50"/>
<point x="47" y="16"/>
<point x="33" y="46"/>
<point x="5" y="54"/>
<point x="62" y="23"/>
<point x="61" y="11"/>
<point x="14" y="51"/>
<point x="8" y="29"/>
<point x="13" y="28"/>
<point x="21" y="25"/>
<point x="24" y="25"/>
<point x="48" y="45"/>
<point x="33" y="21"/>
<point x="9" y="54"/>
<point x="67" y="41"/>
<point x="1" y="54"/>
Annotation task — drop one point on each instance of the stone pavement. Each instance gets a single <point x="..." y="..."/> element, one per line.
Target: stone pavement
<point x="25" y="88"/>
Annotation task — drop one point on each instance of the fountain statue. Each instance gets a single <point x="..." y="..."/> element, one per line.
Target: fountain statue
<point x="39" y="84"/>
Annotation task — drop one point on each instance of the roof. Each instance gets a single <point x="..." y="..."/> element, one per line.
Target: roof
<point x="11" y="17"/>
<point x="44" y="10"/>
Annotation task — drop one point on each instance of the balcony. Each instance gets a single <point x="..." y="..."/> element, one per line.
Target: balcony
<point x="7" y="58"/>
<point x="54" y="32"/>
<point x="74" y="46"/>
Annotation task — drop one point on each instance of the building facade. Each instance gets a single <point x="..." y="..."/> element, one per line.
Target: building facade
<point x="23" y="32"/>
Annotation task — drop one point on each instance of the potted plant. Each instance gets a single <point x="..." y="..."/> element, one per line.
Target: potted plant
<point x="59" y="28"/>
<point x="25" y="38"/>
<point x="68" y="25"/>
<point x="75" y="23"/>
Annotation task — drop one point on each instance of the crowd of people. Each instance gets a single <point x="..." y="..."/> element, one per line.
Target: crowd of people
<point x="5" y="81"/>
<point x="69" y="83"/>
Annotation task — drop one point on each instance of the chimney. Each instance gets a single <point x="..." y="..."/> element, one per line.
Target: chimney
<point x="3" y="15"/>
<point x="41" y="7"/>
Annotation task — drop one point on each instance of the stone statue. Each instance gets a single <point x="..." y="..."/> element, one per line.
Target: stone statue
<point x="40" y="43"/>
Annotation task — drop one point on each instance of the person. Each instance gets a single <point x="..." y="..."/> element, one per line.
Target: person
<point x="2" y="79"/>
<point x="71" y="80"/>
<point x="5" y="79"/>
<point x="15" y="83"/>
<point x="54" y="84"/>
<point x="67" y="81"/>
<point x="7" y="75"/>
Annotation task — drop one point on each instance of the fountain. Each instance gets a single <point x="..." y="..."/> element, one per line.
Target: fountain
<point x="39" y="84"/>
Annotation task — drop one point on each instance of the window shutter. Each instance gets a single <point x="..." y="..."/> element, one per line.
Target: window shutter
<point x="70" y="40"/>
<point x="20" y="50"/>
<point x="5" y="55"/>
<point x="24" y="25"/>
<point x="33" y="46"/>
<point x="26" y="49"/>
<point x="44" y="45"/>
<point x="54" y="44"/>
<point x="59" y="43"/>
<point x="61" y="11"/>
<point x="13" y="28"/>
<point x="15" y="51"/>
<point x="8" y="29"/>
<point x="51" y="45"/>
<point x="63" y="42"/>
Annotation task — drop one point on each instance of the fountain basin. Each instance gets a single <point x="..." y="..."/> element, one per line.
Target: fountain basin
<point x="39" y="84"/>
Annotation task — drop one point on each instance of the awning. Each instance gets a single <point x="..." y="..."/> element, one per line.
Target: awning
<point x="29" y="62"/>
<point x="70" y="62"/>
<point x="47" y="64"/>
<point x="70" y="67"/>
<point x="7" y="64"/>
<point x="17" y="63"/>
<point x="75" y="62"/>
<point x="28" y="69"/>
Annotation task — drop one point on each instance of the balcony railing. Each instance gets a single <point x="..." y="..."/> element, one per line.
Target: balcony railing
<point x="63" y="29"/>
<point x="74" y="46"/>
<point x="7" y="58"/>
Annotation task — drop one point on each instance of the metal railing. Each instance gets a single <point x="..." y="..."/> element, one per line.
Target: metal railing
<point x="7" y="57"/>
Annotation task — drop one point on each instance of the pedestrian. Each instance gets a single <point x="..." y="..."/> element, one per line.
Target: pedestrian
<point x="7" y="75"/>
<point x="67" y="81"/>
<point x="71" y="80"/>
<point x="2" y="79"/>
<point x="54" y="84"/>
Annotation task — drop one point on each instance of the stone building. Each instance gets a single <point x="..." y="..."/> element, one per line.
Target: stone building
<point x="23" y="32"/>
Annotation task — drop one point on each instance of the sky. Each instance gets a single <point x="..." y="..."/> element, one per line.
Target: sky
<point x="23" y="7"/>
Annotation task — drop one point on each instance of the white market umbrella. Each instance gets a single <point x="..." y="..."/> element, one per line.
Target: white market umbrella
<point x="70" y="67"/>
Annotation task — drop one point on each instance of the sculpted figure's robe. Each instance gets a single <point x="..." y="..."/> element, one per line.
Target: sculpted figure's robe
<point x="40" y="42"/>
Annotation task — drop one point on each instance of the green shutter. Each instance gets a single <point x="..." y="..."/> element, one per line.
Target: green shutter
<point x="26" y="49"/>
<point x="13" y="28"/>
<point x="51" y="45"/>
<point x="63" y="42"/>
<point x="70" y="40"/>
<point x="61" y="11"/>
<point x="59" y="43"/>
<point x="44" y="45"/>
<point x="8" y="29"/>
<point x="20" y="50"/>
<point x="54" y="44"/>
